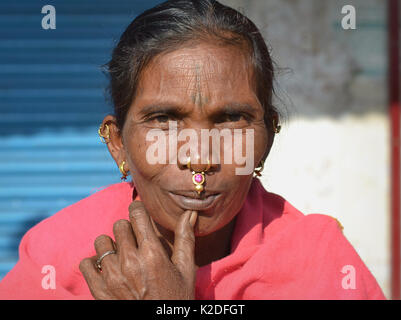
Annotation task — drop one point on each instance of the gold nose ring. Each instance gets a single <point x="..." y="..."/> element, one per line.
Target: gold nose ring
<point x="198" y="178"/>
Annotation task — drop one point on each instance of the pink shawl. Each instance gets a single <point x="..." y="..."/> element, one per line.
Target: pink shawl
<point x="276" y="253"/>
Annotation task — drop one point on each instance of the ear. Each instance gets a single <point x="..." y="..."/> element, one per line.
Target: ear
<point x="114" y="141"/>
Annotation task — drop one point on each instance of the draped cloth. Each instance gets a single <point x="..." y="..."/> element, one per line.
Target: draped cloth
<point x="277" y="252"/>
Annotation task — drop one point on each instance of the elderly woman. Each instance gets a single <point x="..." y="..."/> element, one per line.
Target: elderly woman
<point x="192" y="226"/>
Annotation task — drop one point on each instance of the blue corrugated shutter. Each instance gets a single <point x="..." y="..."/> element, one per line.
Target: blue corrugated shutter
<point x="51" y="103"/>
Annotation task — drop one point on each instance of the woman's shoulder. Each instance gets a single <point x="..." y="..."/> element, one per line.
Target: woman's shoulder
<point x="312" y="226"/>
<point x="81" y="222"/>
<point x="315" y="243"/>
<point x="281" y="214"/>
<point x="287" y="226"/>
<point x="94" y="209"/>
<point x="267" y="216"/>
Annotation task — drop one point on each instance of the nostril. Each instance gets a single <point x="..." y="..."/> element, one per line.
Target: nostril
<point x="206" y="166"/>
<point x="182" y="163"/>
<point x="198" y="166"/>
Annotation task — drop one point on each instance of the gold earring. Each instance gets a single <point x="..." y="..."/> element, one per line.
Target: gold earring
<point x="104" y="137"/>
<point x="276" y="127"/>
<point x="123" y="172"/>
<point x="258" y="171"/>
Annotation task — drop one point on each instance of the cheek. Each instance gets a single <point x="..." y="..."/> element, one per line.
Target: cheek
<point x="137" y="148"/>
<point x="252" y="147"/>
<point x="148" y="177"/>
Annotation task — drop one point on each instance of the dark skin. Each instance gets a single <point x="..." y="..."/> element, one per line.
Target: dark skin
<point x="161" y="246"/>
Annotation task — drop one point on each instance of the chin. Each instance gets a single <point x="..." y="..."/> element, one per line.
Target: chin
<point x="206" y="226"/>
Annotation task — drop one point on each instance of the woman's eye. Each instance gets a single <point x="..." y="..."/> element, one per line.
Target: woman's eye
<point x="230" y="117"/>
<point x="234" y="117"/>
<point x="160" y="118"/>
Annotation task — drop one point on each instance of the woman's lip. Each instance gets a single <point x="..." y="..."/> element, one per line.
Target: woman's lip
<point x="191" y="203"/>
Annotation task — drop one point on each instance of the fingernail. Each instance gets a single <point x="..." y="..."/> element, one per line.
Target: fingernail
<point x="192" y="218"/>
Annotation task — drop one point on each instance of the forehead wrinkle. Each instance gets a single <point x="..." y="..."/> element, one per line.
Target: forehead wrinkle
<point x="188" y="73"/>
<point x="197" y="98"/>
<point x="196" y="75"/>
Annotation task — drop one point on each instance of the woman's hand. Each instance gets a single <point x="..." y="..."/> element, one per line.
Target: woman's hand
<point x="141" y="268"/>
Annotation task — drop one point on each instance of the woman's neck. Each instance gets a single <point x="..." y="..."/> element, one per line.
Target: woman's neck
<point x="212" y="247"/>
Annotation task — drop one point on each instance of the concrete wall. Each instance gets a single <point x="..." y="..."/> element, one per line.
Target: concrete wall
<point x="332" y="155"/>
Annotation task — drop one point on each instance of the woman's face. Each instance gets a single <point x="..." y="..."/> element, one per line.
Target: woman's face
<point x="202" y="87"/>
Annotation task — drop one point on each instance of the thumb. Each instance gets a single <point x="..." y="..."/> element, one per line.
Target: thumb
<point x="183" y="255"/>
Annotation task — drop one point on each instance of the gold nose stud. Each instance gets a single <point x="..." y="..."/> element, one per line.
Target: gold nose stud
<point x="198" y="178"/>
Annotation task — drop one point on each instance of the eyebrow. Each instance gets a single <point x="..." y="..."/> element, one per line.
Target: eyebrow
<point x="164" y="109"/>
<point x="175" y="109"/>
<point x="235" y="107"/>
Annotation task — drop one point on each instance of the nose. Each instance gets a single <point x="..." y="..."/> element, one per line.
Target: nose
<point x="198" y="154"/>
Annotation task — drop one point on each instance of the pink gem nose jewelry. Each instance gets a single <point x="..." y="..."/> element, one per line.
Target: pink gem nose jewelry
<point x="198" y="178"/>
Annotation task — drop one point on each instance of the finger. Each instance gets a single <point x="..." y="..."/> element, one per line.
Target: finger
<point x="103" y="244"/>
<point x="94" y="279"/>
<point x="184" y="245"/>
<point x="128" y="255"/>
<point x="141" y="224"/>
<point x="125" y="239"/>
<point x="114" y="280"/>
